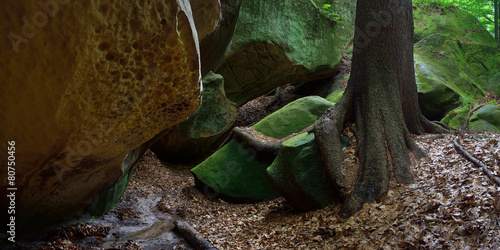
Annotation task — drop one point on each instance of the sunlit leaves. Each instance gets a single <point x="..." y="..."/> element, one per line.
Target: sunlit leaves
<point x="481" y="9"/>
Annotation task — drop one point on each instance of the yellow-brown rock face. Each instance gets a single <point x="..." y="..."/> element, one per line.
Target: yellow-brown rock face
<point x="207" y="15"/>
<point x="82" y="84"/>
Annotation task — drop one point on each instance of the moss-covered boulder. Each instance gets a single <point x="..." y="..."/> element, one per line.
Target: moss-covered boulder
<point x="238" y="172"/>
<point x="457" y="117"/>
<point x="293" y="117"/>
<point x="494" y="84"/>
<point x="191" y="138"/>
<point x="455" y="57"/>
<point x="278" y="42"/>
<point x="297" y="173"/>
<point x="486" y="118"/>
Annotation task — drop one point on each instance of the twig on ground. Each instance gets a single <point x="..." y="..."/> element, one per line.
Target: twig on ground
<point x="471" y="112"/>
<point x="193" y="237"/>
<point x="476" y="162"/>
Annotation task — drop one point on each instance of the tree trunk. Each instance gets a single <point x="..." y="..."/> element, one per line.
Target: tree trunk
<point x="381" y="99"/>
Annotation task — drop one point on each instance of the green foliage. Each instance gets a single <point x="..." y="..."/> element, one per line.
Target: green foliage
<point x="330" y="13"/>
<point x="327" y="10"/>
<point x="464" y="100"/>
<point x="483" y="10"/>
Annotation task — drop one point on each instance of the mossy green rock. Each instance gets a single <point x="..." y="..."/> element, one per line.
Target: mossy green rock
<point x="238" y="172"/>
<point x="293" y="117"/>
<point x="494" y="84"/>
<point x="486" y="119"/>
<point x="457" y="117"/>
<point x="455" y="57"/>
<point x="297" y="173"/>
<point x="282" y="41"/>
<point x="190" y="139"/>
<point x="234" y="172"/>
<point x="335" y="96"/>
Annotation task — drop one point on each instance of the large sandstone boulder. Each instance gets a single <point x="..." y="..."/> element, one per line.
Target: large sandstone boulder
<point x="238" y="171"/>
<point x="278" y="42"/>
<point x="214" y="45"/>
<point x="190" y="139"/>
<point x="455" y="58"/>
<point x="84" y="84"/>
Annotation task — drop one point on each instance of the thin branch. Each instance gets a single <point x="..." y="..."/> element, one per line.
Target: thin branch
<point x="472" y="110"/>
<point x="476" y="162"/>
<point x="193" y="237"/>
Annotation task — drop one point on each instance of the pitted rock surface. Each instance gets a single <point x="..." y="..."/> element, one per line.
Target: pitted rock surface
<point x="83" y="84"/>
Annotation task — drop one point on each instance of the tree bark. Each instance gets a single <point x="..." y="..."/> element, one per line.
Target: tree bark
<point x="381" y="99"/>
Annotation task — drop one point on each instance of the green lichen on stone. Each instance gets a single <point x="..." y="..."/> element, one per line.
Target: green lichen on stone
<point x="335" y="96"/>
<point x="239" y="172"/>
<point x="293" y="117"/>
<point x="493" y="84"/>
<point x="455" y="57"/>
<point x="216" y="114"/>
<point x="236" y="173"/>
<point x="281" y="41"/>
<point x="450" y="21"/>
<point x="457" y="117"/>
<point x="297" y="173"/>
<point x="486" y="119"/>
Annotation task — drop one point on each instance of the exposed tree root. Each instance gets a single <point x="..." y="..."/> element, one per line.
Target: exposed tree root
<point x="434" y="127"/>
<point x="259" y="145"/>
<point x="471" y="112"/>
<point x="263" y="143"/>
<point x="327" y="133"/>
<point x="445" y="126"/>
<point x="476" y="162"/>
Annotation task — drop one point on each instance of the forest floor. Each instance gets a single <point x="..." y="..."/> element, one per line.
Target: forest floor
<point x="451" y="204"/>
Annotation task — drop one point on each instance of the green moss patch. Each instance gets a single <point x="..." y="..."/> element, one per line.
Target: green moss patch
<point x="297" y="173"/>
<point x="234" y="172"/>
<point x="486" y="119"/>
<point x="455" y="57"/>
<point x="293" y="117"/>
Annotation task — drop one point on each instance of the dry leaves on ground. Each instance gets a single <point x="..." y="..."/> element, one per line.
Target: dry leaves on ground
<point x="451" y="204"/>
